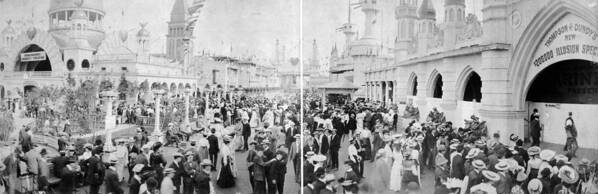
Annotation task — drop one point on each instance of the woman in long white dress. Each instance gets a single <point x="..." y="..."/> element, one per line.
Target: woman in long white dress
<point x="395" y="172"/>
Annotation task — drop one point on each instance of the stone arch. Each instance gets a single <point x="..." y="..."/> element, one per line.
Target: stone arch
<point x="462" y="81"/>
<point x="45" y="41"/>
<point x="412" y="83"/>
<point x="155" y="85"/>
<point x="173" y="87"/>
<point x="529" y="42"/>
<point x="432" y="89"/>
<point x="164" y="86"/>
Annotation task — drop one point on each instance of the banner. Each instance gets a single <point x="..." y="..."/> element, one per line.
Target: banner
<point x="33" y="56"/>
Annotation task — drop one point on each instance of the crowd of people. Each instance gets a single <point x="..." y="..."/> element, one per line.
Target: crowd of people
<point x="401" y="148"/>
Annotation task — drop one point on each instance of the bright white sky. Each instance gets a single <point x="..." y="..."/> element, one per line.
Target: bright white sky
<point x="250" y="26"/>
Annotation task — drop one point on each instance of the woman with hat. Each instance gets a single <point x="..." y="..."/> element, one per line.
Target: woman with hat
<point x="535" y="186"/>
<point x="135" y="181"/>
<point x="397" y="164"/>
<point x="111" y="178"/>
<point x="226" y="178"/>
<point x="505" y="183"/>
<point x="410" y="168"/>
<point x="520" y="183"/>
<point x="167" y="186"/>
<point x="533" y="165"/>
<point x="569" y="180"/>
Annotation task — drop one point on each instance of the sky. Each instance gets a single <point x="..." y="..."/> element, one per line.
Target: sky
<point x="249" y="27"/>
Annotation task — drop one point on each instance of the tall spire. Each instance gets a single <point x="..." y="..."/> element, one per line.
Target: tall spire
<point x="179" y="11"/>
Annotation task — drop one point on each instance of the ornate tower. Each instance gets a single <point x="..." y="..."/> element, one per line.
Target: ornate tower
<point x="176" y="31"/>
<point x="77" y="19"/>
<point x="314" y="62"/>
<point x="406" y="15"/>
<point x="454" y="20"/>
<point x="348" y="30"/>
<point x="426" y="25"/>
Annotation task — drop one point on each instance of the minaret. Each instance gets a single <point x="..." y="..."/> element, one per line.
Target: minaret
<point x="143" y="36"/>
<point x="427" y="26"/>
<point x="406" y="15"/>
<point x="348" y="30"/>
<point x="454" y="21"/>
<point x="370" y="10"/>
<point x="176" y="31"/>
<point x="314" y="56"/>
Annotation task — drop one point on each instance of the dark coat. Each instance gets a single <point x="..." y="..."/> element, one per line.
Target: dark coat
<point x="458" y="167"/>
<point x="201" y="180"/>
<point x="319" y="186"/>
<point x="67" y="182"/>
<point x="111" y="182"/>
<point x="308" y="173"/>
<point x="94" y="171"/>
<point x="335" y="143"/>
<point x="58" y="164"/>
<point x="323" y="146"/>
<point x="213" y="140"/>
<point x="134" y="185"/>
<point x="178" y="174"/>
<point x="246" y="129"/>
<point x="277" y="170"/>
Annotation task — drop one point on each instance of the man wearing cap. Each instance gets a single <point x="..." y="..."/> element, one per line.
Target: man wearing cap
<point x="277" y="172"/>
<point x="67" y="178"/>
<point x="505" y="183"/>
<point x="213" y="150"/>
<point x="135" y="181"/>
<point x="201" y="178"/>
<point x="457" y="162"/>
<point x="179" y="171"/>
<point x="167" y="186"/>
<point x="94" y="172"/>
<point x="191" y="166"/>
<point x="112" y="180"/>
<point x="335" y="146"/>
<point x="475" y="176"/>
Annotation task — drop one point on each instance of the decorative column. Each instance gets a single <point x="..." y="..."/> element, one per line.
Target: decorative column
<point x="157" y="134"/>
<point x="109" y="121"/>
<point x="367" y="90"/>
<point x="187" y="93"/>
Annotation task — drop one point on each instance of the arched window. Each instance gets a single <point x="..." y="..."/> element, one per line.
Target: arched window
<point x="459" y="14"/>
<point x="1" y="66"/>
<point x="85" y="64"/>
<point x="437" y="87"/>
<point x="473" y="88"/>
<point x="403" y="29"/>
<point x="451" y="15"/>
<point x="70" y="65"/>
<point x="411" y="29"/>
<point x="414" y="87"/>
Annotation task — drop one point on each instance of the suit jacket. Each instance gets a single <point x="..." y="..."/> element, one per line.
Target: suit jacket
<point x="458" y="167"/>
<point x="67" y="181"/>
<point x="322" y="146"/>
<point x="178" y="174"/>
<point x="213" y="140"/>
<point x="201" y="180"/>
<point x="134" y="185"/>
<point x="308" y="173"/>
<point x="504" y="184"/>
<point x="246" y="129"/>
<point x="335" y="143"/>
<point x="319" y="186"/>
<point x="58" y="163"/>
<point x="277" y="170"/>
<point x="111" y="182"/>
<point x="94" y="170"/>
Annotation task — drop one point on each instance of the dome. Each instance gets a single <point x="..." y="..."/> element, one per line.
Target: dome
<point x="79" y="15"/>
<point x="427" y="11"/>
<point x="68" y="4"/>
<point x="143" y="32"/>
<point x="454" y="2"/>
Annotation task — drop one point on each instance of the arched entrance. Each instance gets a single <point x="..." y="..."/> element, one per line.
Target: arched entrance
<point x="563" y="87"/>
<point x="33" y="58"/>
<point x="412" y="90"/>
<point x="473" y="88"/>
<point x="437" y="87"/>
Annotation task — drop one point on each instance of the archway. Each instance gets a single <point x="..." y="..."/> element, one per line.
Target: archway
<point x="2" y="92"/>
<point x="383" y="91"/>
<point x="85" y="64"/>
<point x="33" y="58"/>
<point x="473" y="88"/>
<point x="437" y="87"/>
<point x="412" y="90"/>
<point x="563" y="87"/>
<point x="28" y="89"/>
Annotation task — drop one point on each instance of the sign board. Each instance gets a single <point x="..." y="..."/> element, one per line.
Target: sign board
<point x="33" y="56"/>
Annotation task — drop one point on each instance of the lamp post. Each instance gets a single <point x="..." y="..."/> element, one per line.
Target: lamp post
<point x="187" y="93"/>
<point x="157" y="134"/>
<point x="110" y="120"/>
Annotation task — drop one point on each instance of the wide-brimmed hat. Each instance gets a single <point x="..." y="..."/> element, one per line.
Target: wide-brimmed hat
<point x="561" y="157"/>
<point x="535" y="186"/>
<point x="568" y="175"/>
<point x="206" y="162"/>
<point x="493" y="176"/>
<point x="547" y="155"/>
<point x="138" y="167"/>
<point x="441" y="148"/>
<point x="584" y="162"/>
<point x="480" y="143"/>
<point x="513" y="137"/>
<point x="455" y="141"/>
<point x="478" y="164"/>
<point x="177" y="154"/>
<point x="396" y="136"/>
<point x="310" y="153"/>
<point x="472" y="153"/>
<point x="483" y="187"/>
<point x="501" y="166"/>
<point x="329" y="178"/>
<point x="453" y="146"/>
<point x="319" y="158"/>
<point x="534" y="150"/>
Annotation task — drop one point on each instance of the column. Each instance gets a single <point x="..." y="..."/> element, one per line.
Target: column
<point x="378" y="91"/>
<point x="367" y="91"/>
<point x="385" y="93"/>
<point x="157" y="134"/>
<point x="187" y="92"/>
<point x="109" y="120"/>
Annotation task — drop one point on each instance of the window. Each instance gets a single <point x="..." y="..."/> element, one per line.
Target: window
<point x="214" y="72"/>
<point x="438" y="87"/>
<point x="124" y="68"/>
<point x="85" y="64"/>
<point x="103" y="68"/>
<point x="1" y="66"/>
<point x="70" y="65"/>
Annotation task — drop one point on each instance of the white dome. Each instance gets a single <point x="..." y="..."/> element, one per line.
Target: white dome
<point x="97" y="5"/>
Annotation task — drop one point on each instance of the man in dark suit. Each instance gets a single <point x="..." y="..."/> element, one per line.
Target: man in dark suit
<point x="335" y="146"/>
<point x="111" y="180"/>
<point x="59" y="163"/>
<point x="319" y="183"/>
<point x="246" y="132"/>
<point x="201" y="179"/>
<point x="94" y="172"/>
<point x="308" y="169"/>
<point x="179" y="171"/>
<point x="278" y="169"/>
<point x="322" y="143"/>
<point x="457" y="163"/>
<point x="213" y="151"/>
<point x="67" y="178"/>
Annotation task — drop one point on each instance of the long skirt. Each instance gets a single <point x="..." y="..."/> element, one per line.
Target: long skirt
<point x="225" y="176"/>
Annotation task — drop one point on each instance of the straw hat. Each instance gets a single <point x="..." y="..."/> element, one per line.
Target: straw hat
<point x="561" y="157"/>
<point x="329" y="178"/>
<point x="535" y="150"/>
<point x="472" y="153"/>
<point x="534" y="186"/>
<point x="169" y="170"/>
<point x="478" y="164"/>
<point x="501" y="166"/>
<point x="310" y="153"/>
<point x="521" y="176"/>
<point x="319" y="158"/>
<point x="206" y="162"/>
<point x="547" y="155"/>
<point x="483" y="187"/>
<point x="568" y="175"/>
<point x="138" y="167"/>
<point x="491" y="175"/>
<point x="177" y="154"/>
